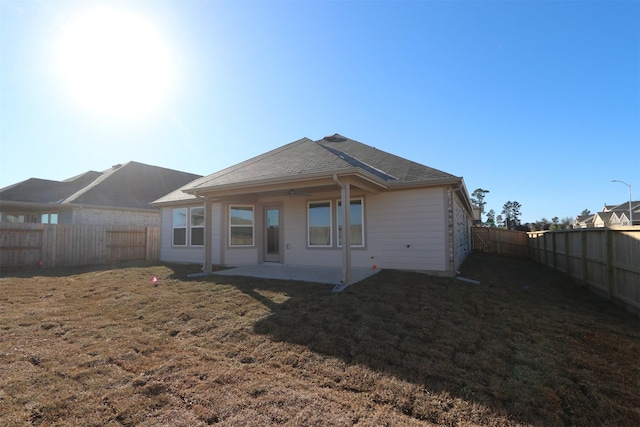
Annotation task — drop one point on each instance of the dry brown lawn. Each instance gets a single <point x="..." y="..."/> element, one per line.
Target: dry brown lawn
<point x="107" y="347"/>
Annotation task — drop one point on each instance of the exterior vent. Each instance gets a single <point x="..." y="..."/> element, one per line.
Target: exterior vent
<point x="335" y="138"/>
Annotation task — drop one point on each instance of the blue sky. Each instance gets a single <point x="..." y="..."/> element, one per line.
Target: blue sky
<point x="536" y="101"/>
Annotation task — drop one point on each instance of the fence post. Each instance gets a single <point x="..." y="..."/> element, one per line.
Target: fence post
<point x="583" y="252"/>
<point x="566" y="253"/>
<point x="553" y="247"/>
<point x="610" y="269"/>
<point x="147" y="248"/>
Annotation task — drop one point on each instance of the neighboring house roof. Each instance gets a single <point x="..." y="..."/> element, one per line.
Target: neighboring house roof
<point x="624" y="207"/>
<point x="131" y="185"/>
<point x="605" y="217"/>
<point x="623" y="216"/>
<point x="36" y="190"/>
<point x="585" y="219"/>
<point x="307" y="158"/>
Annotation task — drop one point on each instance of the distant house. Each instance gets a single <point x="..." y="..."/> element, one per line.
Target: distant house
<point x="116" y="196"/>
<point x="584" y="221"/>
<point x="288" y="206"/>
<point x="623" y="214"/>
<point x="605" y="219"/>
<point x="611" y="215"/>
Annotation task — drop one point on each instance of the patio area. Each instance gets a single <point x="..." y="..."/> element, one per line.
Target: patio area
<point x="327" y="275"/>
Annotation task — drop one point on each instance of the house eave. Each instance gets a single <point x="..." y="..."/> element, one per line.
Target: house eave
<point x="359" y="178"/>
<point x="185" y="201"/>
<point x="35" y="206"/>
<point x="436" y="182"/>
<point x="115" y="208"/>
<point x="292" y="182"/>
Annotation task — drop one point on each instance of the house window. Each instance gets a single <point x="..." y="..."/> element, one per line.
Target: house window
<point x="241" y="226"/>
<point x="319" y="224"/>
<point x="188" y="222"/>
<point x="179" y="225"/>
<point x="22" y="218"/>
<point x="197" y="226"/>
<point x="356" y="217"/>
<point x="49" y="218"/>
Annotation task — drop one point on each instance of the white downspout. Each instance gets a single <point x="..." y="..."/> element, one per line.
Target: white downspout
<point x="345" y="195"/>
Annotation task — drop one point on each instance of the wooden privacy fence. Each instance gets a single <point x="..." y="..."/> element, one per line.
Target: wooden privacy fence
<point x="500" y="241"/>
<point x="55" y="245"/>
<point x="606" y="259"/>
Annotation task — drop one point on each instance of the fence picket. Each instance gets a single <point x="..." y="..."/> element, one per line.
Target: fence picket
<point x="604" y="259"/>
<point x="58" y="245"/>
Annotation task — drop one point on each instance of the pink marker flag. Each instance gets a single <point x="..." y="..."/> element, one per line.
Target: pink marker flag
<point x="155" y="279"/>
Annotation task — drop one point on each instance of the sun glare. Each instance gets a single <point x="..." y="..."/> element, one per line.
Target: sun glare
<point x="113" y="63"/>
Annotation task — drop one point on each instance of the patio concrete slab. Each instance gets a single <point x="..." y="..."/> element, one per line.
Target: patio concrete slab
<point x="328" y="275"/>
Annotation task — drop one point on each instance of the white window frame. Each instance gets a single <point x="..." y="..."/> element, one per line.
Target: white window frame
<point x="339" y="212"/>
<point x="184" y="227"/>
<point x="318" y="202"/>
<point x="192" y="227"/>
<point x="252" y="226"/>
<point x="187" y="227"/>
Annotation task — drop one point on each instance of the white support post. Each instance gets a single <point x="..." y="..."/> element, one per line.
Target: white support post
<point x="208" y="237"/>
<point x="345" y="200"/>
<point x="346" y="234"/>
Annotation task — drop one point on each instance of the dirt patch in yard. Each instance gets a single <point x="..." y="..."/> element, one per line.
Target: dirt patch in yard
<point x="111" y="347"/>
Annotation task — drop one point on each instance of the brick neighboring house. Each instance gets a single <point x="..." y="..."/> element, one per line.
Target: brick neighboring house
<point x="117" y="196"/>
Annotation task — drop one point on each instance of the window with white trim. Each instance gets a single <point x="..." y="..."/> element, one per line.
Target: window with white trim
<point x="356" y="218"/>
<point x="319" y="224"/>
<point x="179" y="226"/>
<point x="187" y="226"/>
<point x="241" y="226"/>
<point x="197" y="226"/>
<point x="49" y="218"/>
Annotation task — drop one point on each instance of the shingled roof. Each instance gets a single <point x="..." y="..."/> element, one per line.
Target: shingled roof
<point x="131" y="185"/>
<point x="305" y="157"/>
<point x="328" y="155"/>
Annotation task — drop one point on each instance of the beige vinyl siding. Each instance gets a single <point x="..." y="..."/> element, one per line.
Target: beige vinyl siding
<point x="405" y="230"/>
<point x="393" y="220"/>
<point x="217" y="233"/>
<point x="296" y="250"/>
<point x="240" y="255"/>
<point x="169" y="253"/>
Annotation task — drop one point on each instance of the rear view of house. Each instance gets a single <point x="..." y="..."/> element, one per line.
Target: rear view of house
<point x="289" y="206"/>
